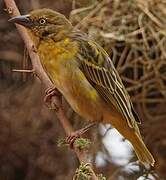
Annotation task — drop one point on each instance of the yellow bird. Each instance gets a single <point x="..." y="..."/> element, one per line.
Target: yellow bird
<point x="83" y="72"/>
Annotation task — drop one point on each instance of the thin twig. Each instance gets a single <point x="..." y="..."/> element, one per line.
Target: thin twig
<point x="24" y="70"/>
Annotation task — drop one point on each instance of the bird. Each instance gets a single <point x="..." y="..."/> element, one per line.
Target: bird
<point x="84" y="74"/>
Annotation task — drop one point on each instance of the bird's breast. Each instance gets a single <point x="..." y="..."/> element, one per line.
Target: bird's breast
<point x="63" y="69"/>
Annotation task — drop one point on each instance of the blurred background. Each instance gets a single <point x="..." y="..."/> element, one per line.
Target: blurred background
<point x="133" y="32"/>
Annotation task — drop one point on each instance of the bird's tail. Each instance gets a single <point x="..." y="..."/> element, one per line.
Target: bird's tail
<point x="141" y="151"/>
<point x="133" y="135"/>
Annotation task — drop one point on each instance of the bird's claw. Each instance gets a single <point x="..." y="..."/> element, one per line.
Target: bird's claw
<point x="50" y="92"/>
<point x="77" y="134"/>
<point x="72" y="137"/>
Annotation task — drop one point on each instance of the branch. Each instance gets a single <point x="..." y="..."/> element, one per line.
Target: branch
<point x="13" y="11"/>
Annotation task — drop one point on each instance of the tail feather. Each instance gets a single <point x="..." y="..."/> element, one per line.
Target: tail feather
<point x="141" y="151"/>
<point x="131" y="134"/>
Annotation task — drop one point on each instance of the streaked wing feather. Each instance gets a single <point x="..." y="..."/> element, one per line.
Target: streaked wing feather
<point x="105" y="79"/>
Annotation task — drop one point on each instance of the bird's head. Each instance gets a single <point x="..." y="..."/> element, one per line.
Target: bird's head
<point x="44" y="23"/>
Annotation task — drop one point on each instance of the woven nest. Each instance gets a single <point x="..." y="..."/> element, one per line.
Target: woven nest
<point x="133" y="33"/>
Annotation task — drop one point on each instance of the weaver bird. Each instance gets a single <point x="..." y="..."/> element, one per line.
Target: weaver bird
<point x="85" y="75"/>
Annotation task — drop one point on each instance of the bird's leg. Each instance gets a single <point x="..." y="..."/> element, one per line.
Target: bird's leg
<point x="50" y="92"/>
<point x="77" y="134"/>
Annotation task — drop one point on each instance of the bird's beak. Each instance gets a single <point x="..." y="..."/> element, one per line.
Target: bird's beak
<point x="22" y="20"/>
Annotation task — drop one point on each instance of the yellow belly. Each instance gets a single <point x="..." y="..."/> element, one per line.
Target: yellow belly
<point x="61" y="66"/>
<point x="82" y="97"/>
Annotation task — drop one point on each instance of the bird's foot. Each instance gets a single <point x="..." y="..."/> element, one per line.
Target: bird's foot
<point x="72" y="137"/>
<point x="49" y="93"/>
<point x="77" y="134"/>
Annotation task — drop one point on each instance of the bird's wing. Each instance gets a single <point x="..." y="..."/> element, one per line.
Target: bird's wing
<point x="101" y="73"/>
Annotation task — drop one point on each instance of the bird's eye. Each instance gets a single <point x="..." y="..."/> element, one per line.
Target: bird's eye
<point x="42" y="21"/>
